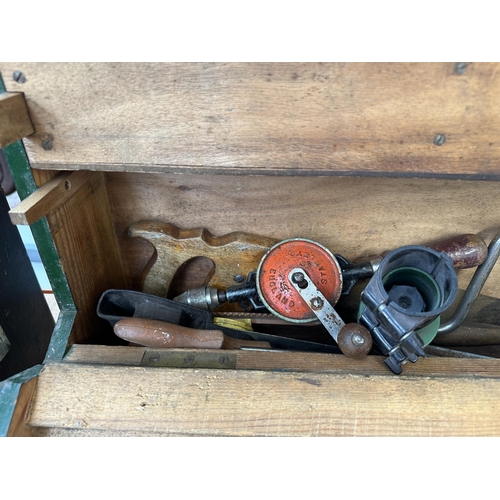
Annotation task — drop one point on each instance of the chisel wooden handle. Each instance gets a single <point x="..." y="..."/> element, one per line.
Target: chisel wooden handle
<point x="153" y="333"/>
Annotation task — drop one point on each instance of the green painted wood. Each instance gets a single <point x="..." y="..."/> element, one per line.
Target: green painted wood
<point x="9" y="392"/>
<point x="25" y="185"/>
<point x="59" y="341"/>
<point x="18" y="162"/>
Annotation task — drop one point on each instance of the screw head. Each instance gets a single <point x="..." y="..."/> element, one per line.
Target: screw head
<point x="316" y="303"/>
<point x="358" y="339"/>
<point x="297" y="277"/>
<point x="239" y="278"/>
<point x="460" y="68"/>
<point x="18" y="77"/>
<point x="439" y="140"/>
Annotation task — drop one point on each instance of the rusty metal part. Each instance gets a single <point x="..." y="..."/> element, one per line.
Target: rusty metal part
<point x="278" y="293"/>
<point x="474" y="289"/>
<point x="354" y="341"/>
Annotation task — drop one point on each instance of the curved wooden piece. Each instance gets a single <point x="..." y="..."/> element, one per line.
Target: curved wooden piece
<point x="233" y="253"/>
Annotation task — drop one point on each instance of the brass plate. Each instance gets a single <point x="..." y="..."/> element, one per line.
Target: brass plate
<point x="186" y="358"/>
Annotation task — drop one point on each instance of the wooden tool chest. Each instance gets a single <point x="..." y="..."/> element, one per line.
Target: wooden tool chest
<point x="361" y="158"/>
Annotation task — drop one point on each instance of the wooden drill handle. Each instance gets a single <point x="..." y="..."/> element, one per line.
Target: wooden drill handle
<point x="466" y="250"/>
<point x="153" y="333"/>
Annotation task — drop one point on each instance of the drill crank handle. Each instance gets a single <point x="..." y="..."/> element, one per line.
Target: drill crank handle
<point x="354" y="340"/>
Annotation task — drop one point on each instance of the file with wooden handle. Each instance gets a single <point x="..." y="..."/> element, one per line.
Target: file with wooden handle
<point x="154" y="333"/>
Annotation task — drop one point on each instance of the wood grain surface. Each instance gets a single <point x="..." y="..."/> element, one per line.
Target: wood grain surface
<point x="354" y="217"/>
<point x="293" y="361"/>
<point x="257" y="403"/>
<point x="15" y="122"/>
<point x="232" y="254"/>
<point x="85" y="241"/>
<point x="48" y="197"/>
<point x="278" y="118"/>
<point x="18" y="427"/>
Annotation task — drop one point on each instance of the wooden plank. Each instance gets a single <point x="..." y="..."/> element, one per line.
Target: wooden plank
<point x="293" y="361"/>
<point x="48" y="197"/>
<point x="103" y="354"/>
<point x="85" y="241"/>
<point x="354" y="217"/>
<point x="18" y="427"/>
<point x="15" y="121"/>
<point x="258" y="403"/>
<point x="279" y="118"/>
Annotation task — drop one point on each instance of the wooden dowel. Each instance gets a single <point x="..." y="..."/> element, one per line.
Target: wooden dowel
<point x="50" y="196"/>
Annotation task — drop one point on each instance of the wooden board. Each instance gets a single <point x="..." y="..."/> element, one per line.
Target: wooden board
<point x="49" y="197"/>
<point x="354" y="217"/>
<point x="291" y="361"/>
<point x="15" y="122"/>
<point x="279" y="118"/>
<point x="257" y="403"/>
<point x="83" y="235"/>
<point x="18" y="427"/>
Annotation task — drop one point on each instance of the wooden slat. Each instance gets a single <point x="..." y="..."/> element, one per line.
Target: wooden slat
<point x="15" y="121"/>
<point x="18" y="427"/>
<point x="257" y="403"/>
<point x="354" y="217"/>
<point x="85" y="241"/>
<point x="48" y="197"/>
<point x="107" y="355"/>
<point x="280" y="118"/>
<point x="293" y="361"/>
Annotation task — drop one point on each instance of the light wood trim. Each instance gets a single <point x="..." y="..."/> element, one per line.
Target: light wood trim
<point x="296" y="361"/>
<point x="259" y="403"/>
<point x="264" y="118"/>
<point x="15" y="121"/>
<point x="18" y="427"/>
<point x="49" y="197"/>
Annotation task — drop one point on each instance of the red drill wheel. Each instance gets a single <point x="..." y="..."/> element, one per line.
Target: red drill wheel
<point x="276" y="291"/>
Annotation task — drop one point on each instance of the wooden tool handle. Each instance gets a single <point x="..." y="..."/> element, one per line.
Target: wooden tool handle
<point x="466" y="250"/>
<point x="152" y="333"/>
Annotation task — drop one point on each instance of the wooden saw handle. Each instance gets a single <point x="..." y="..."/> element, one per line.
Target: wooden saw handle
<point x="153" y="333"/>
<point x="233" y="253"/>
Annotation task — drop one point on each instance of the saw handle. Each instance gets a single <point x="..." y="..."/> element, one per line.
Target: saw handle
<point x="153" y="333"/>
